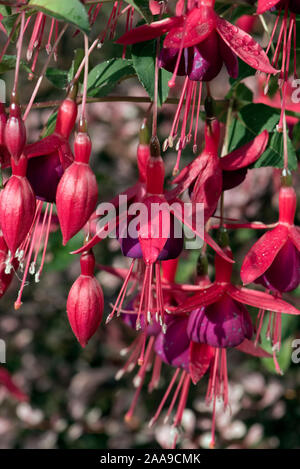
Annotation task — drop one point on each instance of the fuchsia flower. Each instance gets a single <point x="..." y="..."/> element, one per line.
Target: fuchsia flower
<point x="85" y="301"/>
<point x="17" y="206"/>
<point x="274" y="260"/>
<point x="203" y="41"/>
<point x="77" y="191"/>
<point x="224" y="303"/>
<point x="51" y="156"/>
<point x="207" y="175"/>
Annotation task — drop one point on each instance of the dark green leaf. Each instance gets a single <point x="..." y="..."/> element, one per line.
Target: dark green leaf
<point x="105" y="76"/>
<point x="59" y="78"/>
<point x="143" y="56"/>
<point x="78" y="57"/>
<point x="142" y="6"/>
<point x="5" y="11"/>
<point x="244" y="71"/>
<point x="273" y="156"/>
<point x="70" y="11"/>
<point x="8" y="62"/>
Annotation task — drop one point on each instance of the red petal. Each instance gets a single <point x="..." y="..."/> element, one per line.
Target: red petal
<point x="153" y="234"/>
<point x="294" y="234"/>
<point x="208" y="185"/>
<point x="205" y="297"/>
<point x="150" y="31"/>
<point x="179" y="214"/>
<point x="244" y="46"/>
<point x="199" y="23"/>
<point x="102" y="233"/>
<point x="187" y="176"/>
<point x="45" y="146"/>
<point x="261" y="300"/>
<point x="201" y="356"/>
<point x="247" y="154"/>
<point x="248" y="347"/>
<point x="264" y="5"/>
<point x="263" y="253"/>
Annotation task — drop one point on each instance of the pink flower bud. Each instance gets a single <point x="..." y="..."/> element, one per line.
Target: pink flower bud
<point x="17" y="206"/>
<point x="77" y="191"/>
<point x="85" y="301"/>
<point x="15" y="132"/>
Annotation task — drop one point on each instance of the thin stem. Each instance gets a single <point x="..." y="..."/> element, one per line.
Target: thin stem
<point x="38" y="84"/>
<point x="285" y="147"/>
<point x="19" y="47"/>
<point x="121" y="99"/>
<point x="85" y="81"/>
<point x="155" y="100"/>
<point x="266" y="29"/>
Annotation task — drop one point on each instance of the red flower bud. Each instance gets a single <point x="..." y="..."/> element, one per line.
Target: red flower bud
<point x="17" y="206"/>
<point x="15" y="132"/>
<point x="85" y="301"/>
<point x="67" y="113"/>
<point x="77" y="191"/>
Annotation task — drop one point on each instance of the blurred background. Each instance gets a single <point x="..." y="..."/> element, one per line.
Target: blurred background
<point x="74" y="399"/>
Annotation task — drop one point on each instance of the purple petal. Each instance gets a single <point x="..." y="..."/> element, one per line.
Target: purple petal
<point x="229" y="58"/>
<point x="232" y="179"/>
<point x="168" y="58"/>
<point x="284" y="273"/>
<point x="44" y="174"/>
<point x="223" y="324"/>
<point x="206" y="62"/>
<point x="173" y="346"/>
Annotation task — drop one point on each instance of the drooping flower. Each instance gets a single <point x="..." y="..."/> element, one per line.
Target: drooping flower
<point x="77" y="191"/>
<point x="17" y="206"/>
<point x="193" y="28"/>
<point x="51" y="156"/>
<point x="85" y="301"/>
<point x="274" y="260"/>
<point x="208" y="175"/>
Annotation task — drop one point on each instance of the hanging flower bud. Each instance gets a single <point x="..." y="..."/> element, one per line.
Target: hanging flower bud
<point x="15" y="131"/>
<point x="4" y="153"/>
<point x="67" y="113"/>
<point x="143" y="152"/>
<point x="17" y="206"/>
<point x="77" y="191"/>
<point x="85" y="301"/>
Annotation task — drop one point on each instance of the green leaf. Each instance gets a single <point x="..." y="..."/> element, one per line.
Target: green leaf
<point x="143" y="56"/>
<point x="142" y="6"/>
<point x="78" y="57"/>
<point x="8" y="62"/>
<point x="58" y="78"/>
<point x="61" y="78"/>
<point x="244" y="71"/>
<point x="50" y="126"/>
<point x="105" y="76"/>
<point x="273" y="156"/>
<point x="71" y="11"/>
<point x="5" y="11"/>
<point x="250" y="121"/>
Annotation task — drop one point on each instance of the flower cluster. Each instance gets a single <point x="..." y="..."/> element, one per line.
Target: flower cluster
<point x="188" y="327"/>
